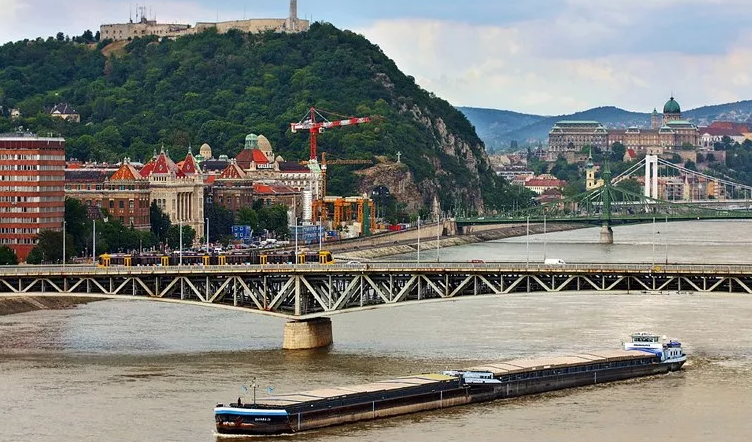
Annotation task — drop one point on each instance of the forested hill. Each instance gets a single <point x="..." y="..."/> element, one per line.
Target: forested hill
<point x="215" y="89"/>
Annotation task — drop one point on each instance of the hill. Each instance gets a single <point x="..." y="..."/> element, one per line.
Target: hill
<point x="497" y="128"/>
<point x="212" y="88"/>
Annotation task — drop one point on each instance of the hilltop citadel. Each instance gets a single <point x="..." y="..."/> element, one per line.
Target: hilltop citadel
<point x="144" y="26"/>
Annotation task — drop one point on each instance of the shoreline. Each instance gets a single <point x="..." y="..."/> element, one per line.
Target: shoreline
<point x="12" y="306"/>
<point x="396" y="246"/>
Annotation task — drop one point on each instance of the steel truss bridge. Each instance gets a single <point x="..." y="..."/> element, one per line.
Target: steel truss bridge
<point x="611" y="204"/>
<point x="305" y="292"/>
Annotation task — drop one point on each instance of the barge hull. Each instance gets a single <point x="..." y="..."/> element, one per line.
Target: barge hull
<point x="462" y="396"/>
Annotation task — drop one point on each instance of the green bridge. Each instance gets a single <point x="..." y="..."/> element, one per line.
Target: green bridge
<point x="606" y="206"/>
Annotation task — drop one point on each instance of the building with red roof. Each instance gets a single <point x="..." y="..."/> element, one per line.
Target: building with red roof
<point x="123" y="193"/>
<point x="177" y="189"/>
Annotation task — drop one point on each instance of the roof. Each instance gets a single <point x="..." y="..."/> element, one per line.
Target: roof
<point x="214" y="165"/>
<point x="577" y="122"/>
<point x="126" y="173"/>
<point x="537" y="182"/>
<point x="189" y="166"/>
<point x="245" y="158"/>
<point x="679" y="123"/>
<point x="63" y="109"/>
<point x="671" y="107"/>
<point x="272" y="189"/>
<point x="293" y="166"/>
<point x="87" y="175"/>
<point x="720" y="132"/>
<point x="232" y="172"/>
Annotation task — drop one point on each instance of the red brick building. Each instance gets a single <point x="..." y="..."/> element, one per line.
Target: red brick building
<point x="32" y="193"/>
<point x="121" y="191"/>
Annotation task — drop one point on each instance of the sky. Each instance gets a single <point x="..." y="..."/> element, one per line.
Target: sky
<point x="546" y="57"/>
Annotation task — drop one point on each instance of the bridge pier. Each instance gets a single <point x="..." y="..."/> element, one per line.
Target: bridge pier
<point x="310" y="334"/>
<point x="607" y="234"/>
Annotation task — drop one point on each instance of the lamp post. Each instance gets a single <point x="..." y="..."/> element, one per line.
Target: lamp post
<point x="545" y="238"/>
<point x="418" y="239"/>
<point x="180" y="250"/>
<point x="653" y="242"/>
<point x="207" y="235"/>
<point x="296" y="240"/>
<point x="63" y="243"/>
<point x="94" y="241"/>
<point x="438" y="238"/>
<point x="527" y="242"/>
<point x="665" y="238"/>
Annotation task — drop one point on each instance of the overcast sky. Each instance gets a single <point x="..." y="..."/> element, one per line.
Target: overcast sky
<point x="535" y="56"/>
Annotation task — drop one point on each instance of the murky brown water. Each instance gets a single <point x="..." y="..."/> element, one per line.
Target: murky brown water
<point x="141" y="371"/>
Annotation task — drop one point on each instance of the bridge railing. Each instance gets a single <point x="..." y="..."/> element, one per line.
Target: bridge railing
<point x="513" y="267"/>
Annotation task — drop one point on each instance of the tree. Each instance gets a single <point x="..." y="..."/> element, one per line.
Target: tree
<point x="7" y="256"/>
<point x="630" y="185"/>
<point x="77" y="225"/>
<point x="160" y="222"/>
<point x="617" y="152"/>
<point x="220" y="221"/>
<point x="49" y="248"/>
<point x="248" y="217"/>
<point x="690" y="165"/>
<point x="173" y="237"/>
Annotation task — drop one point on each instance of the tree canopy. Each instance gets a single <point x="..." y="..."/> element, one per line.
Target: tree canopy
<point x="215" y="89"/>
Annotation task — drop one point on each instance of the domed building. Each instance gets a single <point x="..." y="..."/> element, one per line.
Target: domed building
<point x="671" y="111"/>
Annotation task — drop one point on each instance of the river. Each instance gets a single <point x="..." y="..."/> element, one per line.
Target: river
<point x="144" y="371"/>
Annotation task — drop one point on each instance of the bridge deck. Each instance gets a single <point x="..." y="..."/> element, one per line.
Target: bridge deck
<point x="309" y="291"/>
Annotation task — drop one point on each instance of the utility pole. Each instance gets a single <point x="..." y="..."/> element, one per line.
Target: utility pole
<point x="207" y="235"/>
<point x="94" y="242"/>
<point x="180" y="252"/>
<point x="418" y="239"/>
<point x="63" y="243"/>
<point x="527" y="242"/>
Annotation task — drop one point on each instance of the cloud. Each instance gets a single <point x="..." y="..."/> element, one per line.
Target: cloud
<point x="612" y="53"/>
<point x="30" y="19"/>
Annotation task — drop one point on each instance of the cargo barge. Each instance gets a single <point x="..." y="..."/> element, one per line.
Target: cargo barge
<point x="290" y="413"/>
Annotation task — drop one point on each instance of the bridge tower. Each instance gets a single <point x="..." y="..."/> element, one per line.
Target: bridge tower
<point x="607" y="233"/>
<point x="651" y="176"/>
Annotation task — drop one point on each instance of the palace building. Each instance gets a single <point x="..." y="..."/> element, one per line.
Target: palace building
<point x="668" y="131"/>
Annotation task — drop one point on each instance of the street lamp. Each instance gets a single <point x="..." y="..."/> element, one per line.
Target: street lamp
<point x="180" y="252"/>
<point x="527" y="241"/>
<point x="418" y="239"/>
<point x="63" y="243"/>
<point x="207" y="235"/>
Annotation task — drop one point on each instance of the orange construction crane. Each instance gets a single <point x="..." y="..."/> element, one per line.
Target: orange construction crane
<point x="316" y="127"/>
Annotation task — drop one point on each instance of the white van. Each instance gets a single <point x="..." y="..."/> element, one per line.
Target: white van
<point x="554" y="262"/>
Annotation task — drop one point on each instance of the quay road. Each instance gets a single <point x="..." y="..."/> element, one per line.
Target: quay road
<point x="303" y="292"/>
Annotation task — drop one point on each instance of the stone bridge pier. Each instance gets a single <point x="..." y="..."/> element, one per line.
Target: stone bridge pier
<point x="308" y="334"/>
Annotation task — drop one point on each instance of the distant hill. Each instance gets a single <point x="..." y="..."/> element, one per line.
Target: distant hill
<point x="492" y="124"/>
<point x="498" y="127"/>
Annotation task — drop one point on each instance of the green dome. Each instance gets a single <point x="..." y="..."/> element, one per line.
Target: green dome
<point x="251" y="141"/>
<point x="671" y="107"/>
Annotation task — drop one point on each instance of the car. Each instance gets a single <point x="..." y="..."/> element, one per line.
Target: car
<point x="477" y="261"/>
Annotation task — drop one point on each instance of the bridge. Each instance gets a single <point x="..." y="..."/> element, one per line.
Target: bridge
<point x="309" y="295"/>
<point x="611" y="204"/>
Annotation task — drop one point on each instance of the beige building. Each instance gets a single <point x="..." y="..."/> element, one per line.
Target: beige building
<point x="178" y="189"/>
<point x="668" y="131"/>
<point x="143" y="27"/>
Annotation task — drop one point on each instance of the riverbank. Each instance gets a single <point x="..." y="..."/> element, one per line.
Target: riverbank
<point x="10" y="306"/>
<point x="395" y="245"/>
